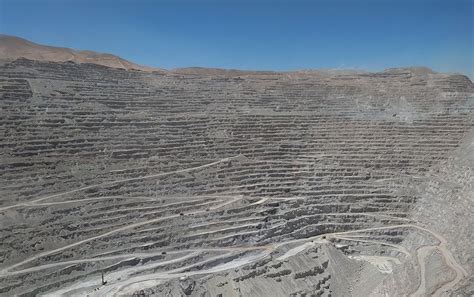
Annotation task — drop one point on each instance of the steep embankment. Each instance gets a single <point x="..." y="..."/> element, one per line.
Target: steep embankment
<point x="235" y="183"/>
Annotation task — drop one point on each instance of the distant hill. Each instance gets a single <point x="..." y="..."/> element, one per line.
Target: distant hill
<point x="12" y="48"/>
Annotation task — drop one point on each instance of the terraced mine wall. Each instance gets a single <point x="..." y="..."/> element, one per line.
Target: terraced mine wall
<point x="232" y="183"/>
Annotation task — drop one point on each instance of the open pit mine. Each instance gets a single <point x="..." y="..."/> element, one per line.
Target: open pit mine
<point x="215" y="183"/>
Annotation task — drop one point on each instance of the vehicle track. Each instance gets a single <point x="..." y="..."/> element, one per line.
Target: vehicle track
<point x="5" y="271"/>
<point x="33" y="202"/>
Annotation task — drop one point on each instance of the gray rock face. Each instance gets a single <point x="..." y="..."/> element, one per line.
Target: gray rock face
<point x="228" y="183"/>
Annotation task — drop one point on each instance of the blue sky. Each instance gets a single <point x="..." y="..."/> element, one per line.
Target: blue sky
<point x="259" y="34"/>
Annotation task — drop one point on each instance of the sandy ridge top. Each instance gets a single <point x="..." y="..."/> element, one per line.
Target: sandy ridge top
<point x="13" y="48"/>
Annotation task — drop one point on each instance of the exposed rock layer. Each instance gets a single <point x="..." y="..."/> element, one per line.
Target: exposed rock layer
<point x="233" y="183"/>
